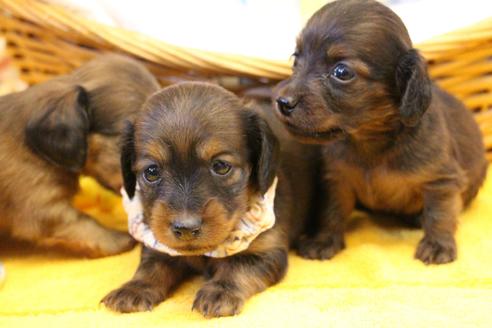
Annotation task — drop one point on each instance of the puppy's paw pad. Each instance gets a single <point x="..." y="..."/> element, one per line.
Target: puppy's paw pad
<point x="218" y="299"/>
<point x="132" y="297"/>
<point x="320" y="248"/>
<point x="433" y="251"/>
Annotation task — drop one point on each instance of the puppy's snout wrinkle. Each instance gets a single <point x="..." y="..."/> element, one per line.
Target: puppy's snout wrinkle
<point x="186" y="228"/>
<point x="286" y="105"/>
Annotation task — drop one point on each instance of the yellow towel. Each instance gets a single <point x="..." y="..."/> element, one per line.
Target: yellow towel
<point x="374" y="282"/>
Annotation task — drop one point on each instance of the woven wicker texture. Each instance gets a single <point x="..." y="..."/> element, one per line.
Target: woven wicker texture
<point x="46" y="40"/>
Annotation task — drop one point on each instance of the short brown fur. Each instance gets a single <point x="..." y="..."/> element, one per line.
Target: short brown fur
<point x="198" y="123"/>
<point x="393" y="141"/>
<point x="53" y="132"/>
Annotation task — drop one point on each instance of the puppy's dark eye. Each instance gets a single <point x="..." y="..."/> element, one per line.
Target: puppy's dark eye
<point x="221" y="167"/>
<point x="342" y="73"/>
<point x="152" y="174"/>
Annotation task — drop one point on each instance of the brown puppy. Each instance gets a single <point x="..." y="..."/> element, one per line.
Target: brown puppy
<point x="394" y="142"/>
<point x="53" y="132"/>
<point x="198" y="156"/>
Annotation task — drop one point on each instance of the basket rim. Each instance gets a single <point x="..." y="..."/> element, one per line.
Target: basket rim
<point x="58" y="17"/>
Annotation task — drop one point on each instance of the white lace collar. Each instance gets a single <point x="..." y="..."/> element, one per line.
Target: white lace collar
<point x="259" y="218"/>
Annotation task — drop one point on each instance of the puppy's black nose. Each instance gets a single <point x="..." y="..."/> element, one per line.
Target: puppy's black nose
<point x="286" y="105"/>
<point x="187" y="228"/>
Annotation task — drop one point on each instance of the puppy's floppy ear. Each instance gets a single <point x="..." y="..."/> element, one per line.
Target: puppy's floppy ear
<point x="58" y="130"/>
<point x="264" y="151"/>
<point x="128" y="159"/>
<point x="413" y="86"/>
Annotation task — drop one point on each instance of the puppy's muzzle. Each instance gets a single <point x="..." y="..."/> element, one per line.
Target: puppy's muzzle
<point x="186" y="228"/>
<point x="286" y="105"/>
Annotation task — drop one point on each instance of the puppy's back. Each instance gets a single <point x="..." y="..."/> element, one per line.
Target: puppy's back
<point x="117" y="69"/>
<point x="467" y="142"/>
<point x="117" y="86"/>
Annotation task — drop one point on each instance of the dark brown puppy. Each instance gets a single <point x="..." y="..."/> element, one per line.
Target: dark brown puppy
<point x="53" y="132"/>
<point x="198" y="155"/>
<point x="394" y="142"/>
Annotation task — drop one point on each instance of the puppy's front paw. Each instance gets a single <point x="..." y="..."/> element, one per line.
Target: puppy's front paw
<point x="114" y="242"/>
<point x="134" y="296"/>
<point x="218" y="299"/>
<point x="320" y="247"/>
<point x="436" y="251"/>
<point x="103" y="243"/>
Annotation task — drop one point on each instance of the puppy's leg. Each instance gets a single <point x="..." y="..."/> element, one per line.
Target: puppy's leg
<point x="329" y="237"/>
<point x="156" y="276"/>
<point x="63" y="226"/>
<point x="442" y="204"/>
<point x="237" y="278"/>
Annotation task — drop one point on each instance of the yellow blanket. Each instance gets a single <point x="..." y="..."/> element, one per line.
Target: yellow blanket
<point x="374" y="282"/>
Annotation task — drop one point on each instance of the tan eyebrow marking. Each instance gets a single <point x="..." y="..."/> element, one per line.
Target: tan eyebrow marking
<point x="210" y="148"/>
<point x="156" y="150"/>
<point x="341" y="52"/>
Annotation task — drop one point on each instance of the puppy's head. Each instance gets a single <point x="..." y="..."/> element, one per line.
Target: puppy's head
<point x="355" y="73"/>
<point x="77" y="120"/>
<point x="198" y="156"/>
<point x="59" y="124"/>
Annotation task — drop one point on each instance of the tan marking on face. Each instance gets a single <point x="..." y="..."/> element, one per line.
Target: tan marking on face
<point x="340" y="52"/>
<point x="360" y="68"/>
<point x="210" y="148"/>
<point x="157" y="150"/>
<point x="330" y="122"/>
<point x="160" y="220"/>
<point x="217" y="225"/>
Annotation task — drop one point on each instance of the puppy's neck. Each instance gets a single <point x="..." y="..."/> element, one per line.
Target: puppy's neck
<point x="375" y="139"/>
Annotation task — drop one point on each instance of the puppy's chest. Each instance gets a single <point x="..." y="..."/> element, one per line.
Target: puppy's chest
<point x="383" y="189"/>
<point x="203" y="265"/>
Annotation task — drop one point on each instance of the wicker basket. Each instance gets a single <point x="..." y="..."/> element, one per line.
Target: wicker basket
<point x="46" y="40"/>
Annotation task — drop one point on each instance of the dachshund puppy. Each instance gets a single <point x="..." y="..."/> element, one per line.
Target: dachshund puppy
<point x="393" y="141"/>
<point x="55" y="131"/>
<point x="199" y="157"/>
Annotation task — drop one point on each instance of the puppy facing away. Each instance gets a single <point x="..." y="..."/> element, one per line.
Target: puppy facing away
<point x="199" y="156"/>
<point x="393" y="141"/>
<point x="55" y="131"/>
